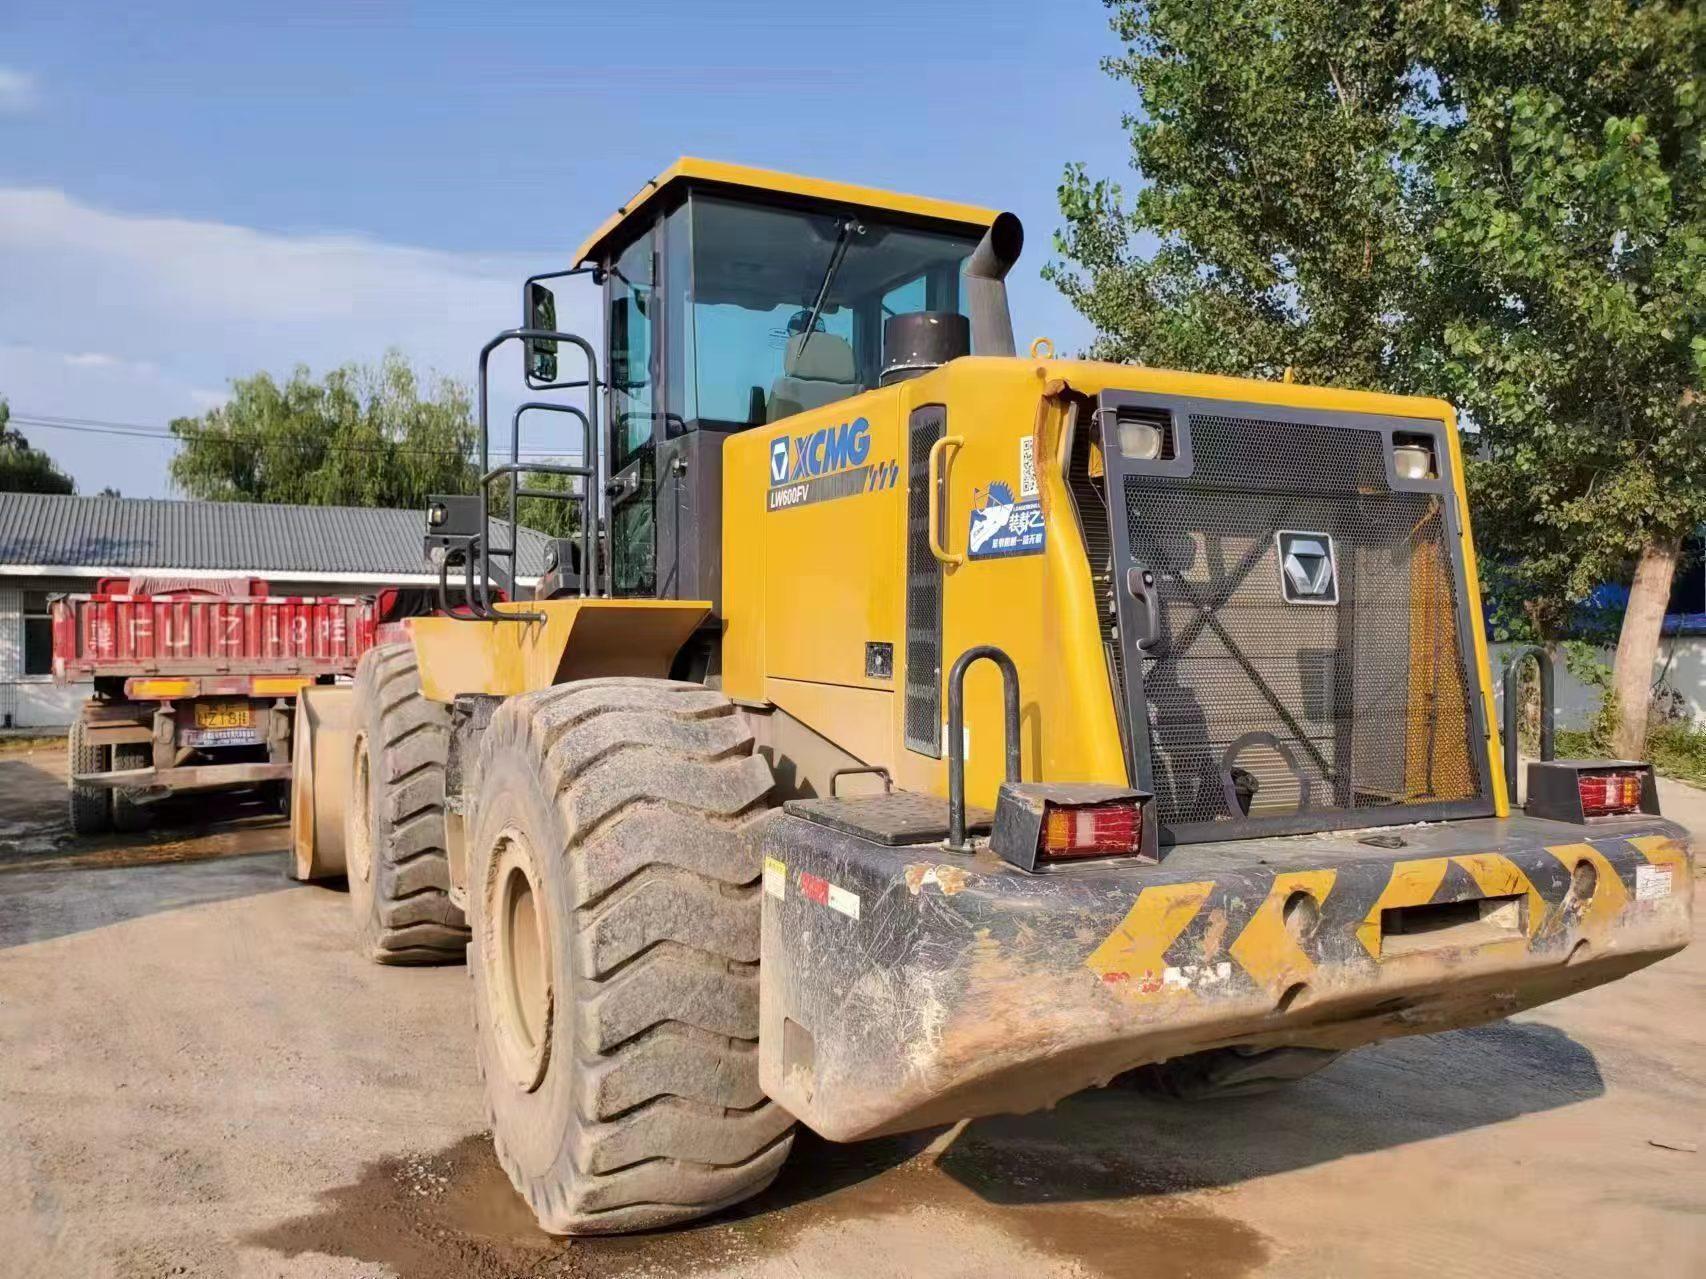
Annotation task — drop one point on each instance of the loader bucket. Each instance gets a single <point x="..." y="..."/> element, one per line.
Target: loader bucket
<point x="319" y="787"/>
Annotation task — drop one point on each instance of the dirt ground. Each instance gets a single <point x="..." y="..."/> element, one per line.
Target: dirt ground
<point x="199" y="1077"/>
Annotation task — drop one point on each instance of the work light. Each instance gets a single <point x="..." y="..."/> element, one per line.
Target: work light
<point x="1140" y="441"/>
<point x="1413" y="457"/>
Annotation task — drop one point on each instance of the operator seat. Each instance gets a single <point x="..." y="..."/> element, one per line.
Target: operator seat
<point x="823" y="372"/>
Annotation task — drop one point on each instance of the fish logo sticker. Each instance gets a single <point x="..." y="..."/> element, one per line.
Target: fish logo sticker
<point x="1002" y="525"/>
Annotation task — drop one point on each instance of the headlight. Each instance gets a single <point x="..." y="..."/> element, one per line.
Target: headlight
<point x="1413" y="457"/>
<point x="1140" y="441"/>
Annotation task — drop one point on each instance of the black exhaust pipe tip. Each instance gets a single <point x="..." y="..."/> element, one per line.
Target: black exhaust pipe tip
<point x="999" y="249"/>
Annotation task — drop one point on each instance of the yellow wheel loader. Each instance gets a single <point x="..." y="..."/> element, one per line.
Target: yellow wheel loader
<point x="920" y="729"/>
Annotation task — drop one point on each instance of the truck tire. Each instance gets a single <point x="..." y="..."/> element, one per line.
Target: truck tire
<point x="129" y="816"/>
<point x="399" y="871"/>
<point x="1227" y="1072"/>
<point x="91" y="811"/>
<point x="613" y="887"/>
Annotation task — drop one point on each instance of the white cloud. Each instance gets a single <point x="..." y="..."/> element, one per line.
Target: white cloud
<point x="101" y="360"/>
<point x="134" y="319"/>
<point x="17" y="91"/>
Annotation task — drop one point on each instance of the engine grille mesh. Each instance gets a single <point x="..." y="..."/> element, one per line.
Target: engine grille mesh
<point x="1259" y="707"/>
<point x="923" y="706"/>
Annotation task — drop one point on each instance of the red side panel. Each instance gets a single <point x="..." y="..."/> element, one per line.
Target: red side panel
<point x="203" y="634"/>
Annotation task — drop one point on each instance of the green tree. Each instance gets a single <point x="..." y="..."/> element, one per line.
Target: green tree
<point x="24" y="469"/>
<point x="1497" y="202"/>
<point x="357" y="437"/>
<point x="551" y="516"/>
<point x="1265" y="138"/>
<point x="1560" y="157"/>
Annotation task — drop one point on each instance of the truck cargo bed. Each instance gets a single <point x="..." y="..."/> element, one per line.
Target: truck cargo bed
<point x="185" y="634"/>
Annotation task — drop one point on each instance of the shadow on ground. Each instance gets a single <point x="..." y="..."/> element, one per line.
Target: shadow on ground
<point x="1392" y="1094"/>
<point x="1096" y="1182"/>
<point x="39" y="902"/>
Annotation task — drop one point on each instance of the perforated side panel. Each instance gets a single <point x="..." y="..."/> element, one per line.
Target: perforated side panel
<point x="923" y="709"/>
<point x="1260" y="707"/>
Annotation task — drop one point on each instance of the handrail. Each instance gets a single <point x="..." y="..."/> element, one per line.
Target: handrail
<point x="587" y="471"/>
<point x="935" y="500"/>
<point x="956" y="841"/>
<point x="482" y="605"/>
<point x="1548" y="707"/>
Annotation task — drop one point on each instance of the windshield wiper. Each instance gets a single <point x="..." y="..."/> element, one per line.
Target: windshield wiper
<point x="843" y="237"/>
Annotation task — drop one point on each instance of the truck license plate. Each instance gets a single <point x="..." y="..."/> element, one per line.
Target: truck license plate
<point x="216" y="715"/>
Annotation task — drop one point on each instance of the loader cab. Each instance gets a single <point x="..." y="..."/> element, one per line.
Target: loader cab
<point x="734" y="298"/>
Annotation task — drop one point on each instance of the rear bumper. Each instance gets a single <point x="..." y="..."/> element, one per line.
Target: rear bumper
<point x="156" y="783"/>
<point x="903" y="987"/>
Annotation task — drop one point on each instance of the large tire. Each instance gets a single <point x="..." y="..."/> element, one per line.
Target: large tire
<point x="91" y="806"/>
<point x="399" y="871"/>
<point x="128" y="815"/>
<point x="614" y="891"/>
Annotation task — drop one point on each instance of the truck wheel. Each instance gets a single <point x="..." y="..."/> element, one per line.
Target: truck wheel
<point x="91" y="812"/>
<point x="399" y="872"/>
<point x="613" y="886"/>
<point x="1227" y="1072"/>
<point x="128" y="815"/>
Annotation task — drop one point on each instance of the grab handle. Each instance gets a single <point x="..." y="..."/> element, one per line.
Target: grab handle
<point x="1548" y="710"/>
<point x="933" y="484"/>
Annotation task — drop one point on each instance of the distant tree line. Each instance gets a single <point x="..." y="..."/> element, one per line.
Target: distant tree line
<point x="23" y="468"/>
<point x="359" y="436"/>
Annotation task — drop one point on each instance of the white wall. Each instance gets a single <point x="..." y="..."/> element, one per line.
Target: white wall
<point x="1681" y="668"/>
<point x="30" y="701"/>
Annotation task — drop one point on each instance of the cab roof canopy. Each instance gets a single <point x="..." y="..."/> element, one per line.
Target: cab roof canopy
<point x="786" y="187"/>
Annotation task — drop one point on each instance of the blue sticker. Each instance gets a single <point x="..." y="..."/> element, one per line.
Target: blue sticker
<point x="1001" y="526"/>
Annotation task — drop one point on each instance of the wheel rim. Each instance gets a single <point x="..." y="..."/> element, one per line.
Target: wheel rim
<point x="519" y="962"/>
<point x="358" y="858"/>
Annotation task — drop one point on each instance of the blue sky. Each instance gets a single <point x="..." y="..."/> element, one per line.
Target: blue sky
<point x="192" y="192"/>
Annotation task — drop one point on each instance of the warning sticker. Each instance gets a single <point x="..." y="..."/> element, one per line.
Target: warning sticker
<point x="845" y="902"/>
<point x="775" y="878"/>
<point x="825" y="893"/>
<point x="1652" y="882"/>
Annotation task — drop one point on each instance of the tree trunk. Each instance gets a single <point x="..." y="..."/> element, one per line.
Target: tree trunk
<point x="1638" y="644"/>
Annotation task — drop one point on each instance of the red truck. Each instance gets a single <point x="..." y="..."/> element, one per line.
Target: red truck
<point x="195" y="686"/>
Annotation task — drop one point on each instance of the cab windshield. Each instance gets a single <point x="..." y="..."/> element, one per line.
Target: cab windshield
<point x="783" y="309"/>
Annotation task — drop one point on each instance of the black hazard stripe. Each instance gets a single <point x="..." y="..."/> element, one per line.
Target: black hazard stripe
<point x="1233" y="939"/>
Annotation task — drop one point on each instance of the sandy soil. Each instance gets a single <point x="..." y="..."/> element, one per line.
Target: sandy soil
<point x="198" y="1077"/>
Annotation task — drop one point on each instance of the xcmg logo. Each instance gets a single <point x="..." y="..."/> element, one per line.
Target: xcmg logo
<point x="822" y="452"/>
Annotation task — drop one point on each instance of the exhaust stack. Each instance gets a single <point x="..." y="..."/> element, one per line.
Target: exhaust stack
<point x="986" y="286"/>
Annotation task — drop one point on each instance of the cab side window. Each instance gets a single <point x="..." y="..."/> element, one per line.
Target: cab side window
<point x="633" y="377"/>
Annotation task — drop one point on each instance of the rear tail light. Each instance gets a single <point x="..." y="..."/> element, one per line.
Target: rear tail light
<point x="1041" y="822"/>
<point x="1097" y="831"/>
<point x="1607" y="794"/>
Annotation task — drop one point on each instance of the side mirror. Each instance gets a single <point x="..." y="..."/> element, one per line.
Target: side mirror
<point x="541" y="352"/>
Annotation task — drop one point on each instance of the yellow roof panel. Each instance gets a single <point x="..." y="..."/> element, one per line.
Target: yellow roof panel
<point x="687" y="169"/>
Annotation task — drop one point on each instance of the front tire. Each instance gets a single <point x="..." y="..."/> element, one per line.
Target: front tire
<point x="613" y="888"/>
<point x="394" y="839"/>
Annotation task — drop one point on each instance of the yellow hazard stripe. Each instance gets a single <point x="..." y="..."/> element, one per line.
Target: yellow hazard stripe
<point x="1268" y="948"/>
<point x="1133" y="951"/>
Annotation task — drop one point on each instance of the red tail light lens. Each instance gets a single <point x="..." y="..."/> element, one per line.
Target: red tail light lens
<point x="1606" y="794"/>
<point x="1091" y="831"/>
